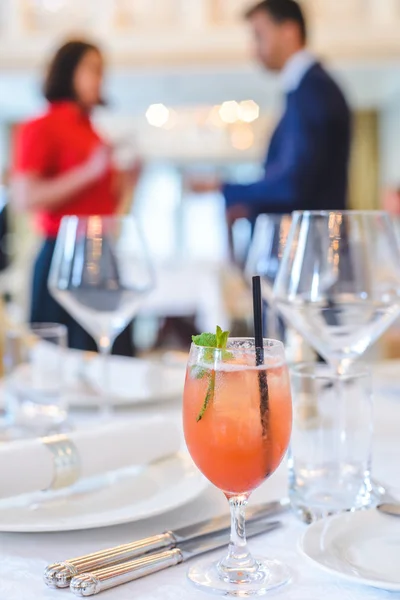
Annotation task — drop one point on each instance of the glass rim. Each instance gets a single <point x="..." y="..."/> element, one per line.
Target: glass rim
<point x="267" y="343"/>
<point x="299" y="370"/>
<point x="325" y="213"/>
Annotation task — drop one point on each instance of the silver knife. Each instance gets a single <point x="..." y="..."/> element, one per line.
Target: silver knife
<point x="60" y="574"/>
<point x="90" y="584"/>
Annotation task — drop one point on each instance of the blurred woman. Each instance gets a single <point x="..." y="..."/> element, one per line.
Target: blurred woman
<point x="62" y="167"/>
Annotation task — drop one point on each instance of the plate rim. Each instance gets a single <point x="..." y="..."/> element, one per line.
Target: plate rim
<point x="203" y="485"/>
<point x="314" y="528"/>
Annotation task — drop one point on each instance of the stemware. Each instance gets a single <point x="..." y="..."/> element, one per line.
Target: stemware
<point x="264" y="258"/>
<point x="237" y="424"/>
<point x="100" y="274"/>
<point x="339" y="281"/>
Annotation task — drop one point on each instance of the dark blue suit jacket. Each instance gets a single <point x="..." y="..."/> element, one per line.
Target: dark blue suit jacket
<point x="307" y="162"/>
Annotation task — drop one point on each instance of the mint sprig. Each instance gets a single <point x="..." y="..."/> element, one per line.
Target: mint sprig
<point x="209" y="397"/>
<point x="210" y="341"/>
<point x="206" y="340"/>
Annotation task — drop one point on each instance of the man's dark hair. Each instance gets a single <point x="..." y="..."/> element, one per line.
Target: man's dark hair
<point x="59" y="81"/>
<point x="282" y="11"/>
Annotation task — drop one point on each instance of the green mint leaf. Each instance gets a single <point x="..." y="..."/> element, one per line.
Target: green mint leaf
<point x="226" y="355"/>
<point x="212" y="340"/>
<point x="207" y="340"/>
<point x="222" y="339"/>
<point x="219" y="340"/>
<point x="219" y="335"/>
<point x="209" y="355"/>
<point x="209" y="397"/>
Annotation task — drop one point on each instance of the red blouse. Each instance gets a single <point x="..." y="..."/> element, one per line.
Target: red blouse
<point x="55" y="143"/>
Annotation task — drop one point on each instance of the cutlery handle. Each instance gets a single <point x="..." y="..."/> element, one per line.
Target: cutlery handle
<point x="89" y="584"/>
<point x="60" y="574"/>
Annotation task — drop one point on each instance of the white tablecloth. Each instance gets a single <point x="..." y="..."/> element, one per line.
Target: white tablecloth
<point x="24" y="557"/>
<point x="186" y="289"/>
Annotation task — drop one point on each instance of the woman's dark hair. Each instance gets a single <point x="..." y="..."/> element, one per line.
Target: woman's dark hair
<point x="282" y="11"/>
<point x="59" y="81"/>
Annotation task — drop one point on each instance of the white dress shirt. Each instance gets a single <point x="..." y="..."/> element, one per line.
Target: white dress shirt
<point x="295" y="69"/>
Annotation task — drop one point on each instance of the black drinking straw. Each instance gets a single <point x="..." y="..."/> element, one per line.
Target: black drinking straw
<point x="259" y="345"/>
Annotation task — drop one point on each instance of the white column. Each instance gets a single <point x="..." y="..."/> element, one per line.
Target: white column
<point x="384" y="11"/>
<point x="104" y="16"/>
<point x="155" y="13"/>
<point x="195" y="13"/>
<point x="338" y="9"/>
<point x="233" y="10"/>
<point x="13" y="16"/>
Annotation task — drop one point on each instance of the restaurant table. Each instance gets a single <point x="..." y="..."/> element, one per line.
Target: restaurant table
<point x="23" y="557"/>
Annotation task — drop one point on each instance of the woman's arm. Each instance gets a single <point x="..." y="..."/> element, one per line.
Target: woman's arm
<point x="32" y="192"/>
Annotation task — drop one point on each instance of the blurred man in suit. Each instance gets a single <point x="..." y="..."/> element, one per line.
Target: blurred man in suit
<point x="306" y="167"/>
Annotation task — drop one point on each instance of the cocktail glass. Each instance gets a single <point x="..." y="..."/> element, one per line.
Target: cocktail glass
<point x="237" y="422"/>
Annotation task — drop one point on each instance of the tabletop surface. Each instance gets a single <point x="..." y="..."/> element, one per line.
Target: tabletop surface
<point x="24" y="557"/>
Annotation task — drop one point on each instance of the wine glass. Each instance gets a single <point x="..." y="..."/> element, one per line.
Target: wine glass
<point x="237" y="424"/>
<point x="100" y="274"/>
<point x="264" y="258"/>
<point x="339" y="281"/>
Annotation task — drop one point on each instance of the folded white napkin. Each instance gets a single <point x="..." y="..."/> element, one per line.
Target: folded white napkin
<point x="28" y="466"/>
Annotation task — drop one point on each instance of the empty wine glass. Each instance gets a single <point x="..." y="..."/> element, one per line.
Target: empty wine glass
<point x="265" y="255"/>
<point x="339" y="281"/>
<point x="100" y="274"/>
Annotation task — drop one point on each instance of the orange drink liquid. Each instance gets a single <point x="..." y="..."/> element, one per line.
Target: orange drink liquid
<point x="238" y="442"/>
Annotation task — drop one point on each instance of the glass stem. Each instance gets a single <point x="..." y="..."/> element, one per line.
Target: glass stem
<point x="105" y="346"/>
<point x="239" y="566"/>
<point x="341" y="368"/>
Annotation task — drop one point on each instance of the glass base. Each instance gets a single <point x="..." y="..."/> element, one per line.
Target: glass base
<point x="269" y="576"/>
<point x="314" y="507"/>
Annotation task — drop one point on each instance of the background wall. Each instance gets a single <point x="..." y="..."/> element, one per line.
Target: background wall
<point x="192" y="56"/>
<point x="365" y="175"/>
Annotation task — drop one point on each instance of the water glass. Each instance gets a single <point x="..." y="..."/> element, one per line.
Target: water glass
<point x="330" y="452"/>
<point x="33" y="387"/>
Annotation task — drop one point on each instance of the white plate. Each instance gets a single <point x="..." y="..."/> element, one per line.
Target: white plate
<point x="362" y="547"/>
<point x="131" y="381"/>
<point x="125" y="497"/>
